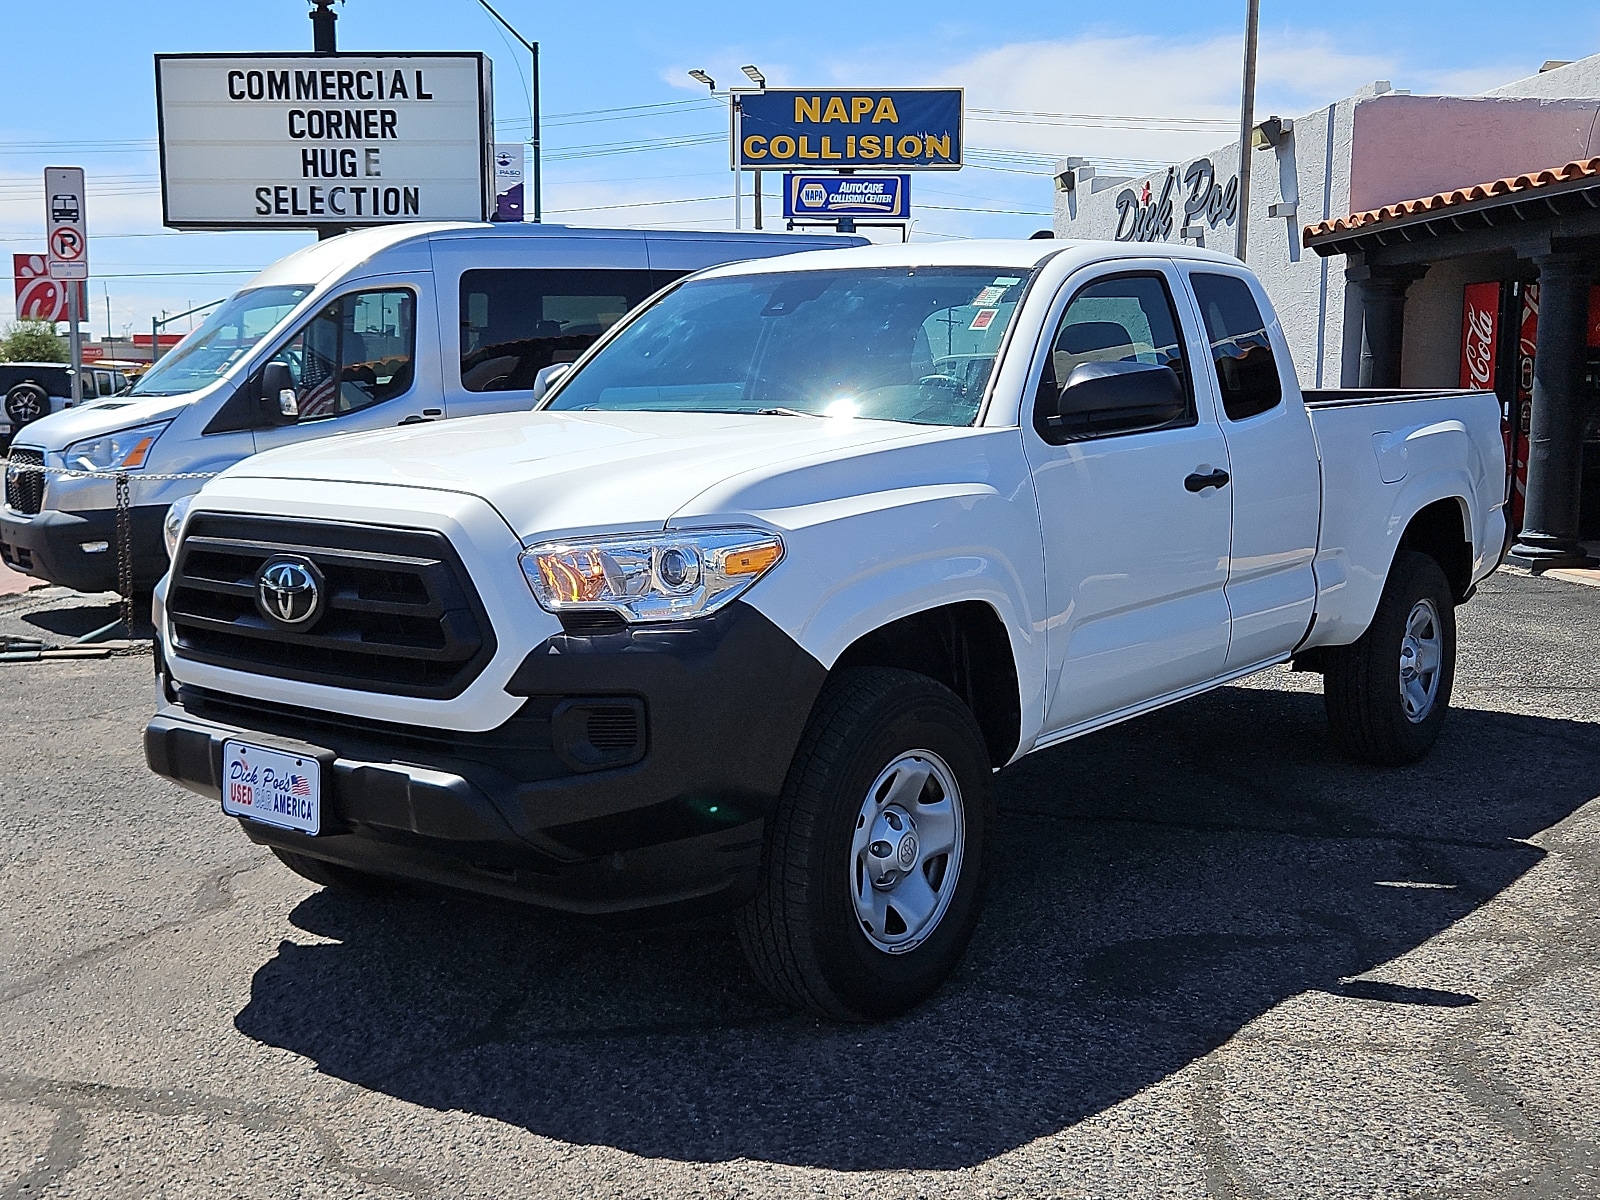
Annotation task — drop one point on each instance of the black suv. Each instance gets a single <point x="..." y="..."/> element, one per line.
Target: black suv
<point x="34" y="390"/>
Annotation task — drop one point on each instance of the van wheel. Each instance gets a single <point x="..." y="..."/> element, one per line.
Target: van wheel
<point x="1388" y="692"/>
<point x="26" y="403"/>
<point x="333" y="875"/>
<point x="873" y="870"/>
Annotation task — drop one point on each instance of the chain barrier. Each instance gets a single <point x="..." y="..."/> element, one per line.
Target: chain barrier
<point x="123" y="536"/>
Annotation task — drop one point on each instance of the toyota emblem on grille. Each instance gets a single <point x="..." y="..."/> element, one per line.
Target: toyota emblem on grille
<point x="289" y="592"/>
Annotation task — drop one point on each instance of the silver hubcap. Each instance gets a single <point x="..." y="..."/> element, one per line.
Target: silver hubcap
<point x="905" y="857"/>
<point x="1421" y="653"/>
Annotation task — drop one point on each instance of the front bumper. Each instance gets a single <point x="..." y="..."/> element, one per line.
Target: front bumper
<point x="527" y="810"/>
<point x="49" y="545"/>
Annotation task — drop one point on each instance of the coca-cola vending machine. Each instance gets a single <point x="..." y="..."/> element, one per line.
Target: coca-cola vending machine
<point x="1491" y="361"/>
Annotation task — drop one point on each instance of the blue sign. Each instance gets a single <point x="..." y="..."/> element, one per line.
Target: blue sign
<point x="910" y="128"/>
<point x="886" y="197"/>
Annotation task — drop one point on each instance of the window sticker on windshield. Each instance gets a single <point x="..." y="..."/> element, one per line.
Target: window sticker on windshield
<point x="983" y="318"/>
<point x="989" y="295"/>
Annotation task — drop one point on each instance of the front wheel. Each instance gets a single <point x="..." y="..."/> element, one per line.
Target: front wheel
<point x="1387" y="693"/>
<point x="873" y="871"/>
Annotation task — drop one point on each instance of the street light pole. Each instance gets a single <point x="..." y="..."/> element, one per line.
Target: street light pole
<point x="700" y="76"/>
<point x="760" y="80"/>
<point x="538" y="166"/>
<point x="1247" y="125"/>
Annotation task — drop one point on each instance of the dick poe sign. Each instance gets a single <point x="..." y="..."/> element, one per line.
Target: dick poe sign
<point x="905" y="129"/>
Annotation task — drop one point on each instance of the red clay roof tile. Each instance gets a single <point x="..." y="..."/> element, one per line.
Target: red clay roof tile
<point x="1582" y="168"/>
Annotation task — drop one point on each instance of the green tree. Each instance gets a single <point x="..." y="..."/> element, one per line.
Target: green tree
<point x="32" y="341"/>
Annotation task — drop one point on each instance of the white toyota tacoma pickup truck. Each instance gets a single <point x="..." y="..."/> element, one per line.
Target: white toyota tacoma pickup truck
<point x="786" y="567"/>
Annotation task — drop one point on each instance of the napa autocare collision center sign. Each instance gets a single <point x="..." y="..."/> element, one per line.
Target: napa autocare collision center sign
<point x="302" y="140"/>
<point x="905" y="129"/>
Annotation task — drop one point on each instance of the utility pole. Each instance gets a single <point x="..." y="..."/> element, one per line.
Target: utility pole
<point x="533" y="49"/>
<point x="323" y="38"/>
<point x="1247" y="125"/>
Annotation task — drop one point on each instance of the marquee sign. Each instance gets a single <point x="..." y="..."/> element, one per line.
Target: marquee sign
<point x="301" y="140"/>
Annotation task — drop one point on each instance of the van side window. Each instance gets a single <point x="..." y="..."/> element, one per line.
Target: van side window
<point x="516" y="322"/>
<point x="356" y="352"/>
<point x="1247" y="373"/>
<point x="1122" y="318"/>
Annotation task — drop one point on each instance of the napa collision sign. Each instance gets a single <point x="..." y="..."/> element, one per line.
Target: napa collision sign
<point x="306" y="140"/>
<point x="905" y="129"/>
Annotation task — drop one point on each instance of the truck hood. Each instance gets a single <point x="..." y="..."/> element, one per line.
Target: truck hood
<point x="98" y="418"/>
<point x="553" y="473"/>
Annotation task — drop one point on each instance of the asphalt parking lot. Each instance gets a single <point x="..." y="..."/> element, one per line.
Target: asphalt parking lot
<point x="1216" y="961"/>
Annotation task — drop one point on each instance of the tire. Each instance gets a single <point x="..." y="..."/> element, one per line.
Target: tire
<point x="1384" y="705"/>
<point x="25" y="404"/>
<point x="841" y="821"/>
<point x="332" y="875"/>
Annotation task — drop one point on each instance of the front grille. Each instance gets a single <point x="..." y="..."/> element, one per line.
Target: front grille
<point x="24" y="487"/>
<point x="613" y="728"/>
<point x="401" y="617"/>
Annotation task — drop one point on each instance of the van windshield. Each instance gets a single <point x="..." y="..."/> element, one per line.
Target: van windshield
<point x="227" y="336"/>
<point x="889" y="343"/>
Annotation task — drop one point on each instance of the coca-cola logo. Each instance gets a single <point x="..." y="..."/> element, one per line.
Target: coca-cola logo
<point x="1477" y="350"/>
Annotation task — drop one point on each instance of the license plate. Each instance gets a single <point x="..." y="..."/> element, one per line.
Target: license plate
<point x="272" y="787"/>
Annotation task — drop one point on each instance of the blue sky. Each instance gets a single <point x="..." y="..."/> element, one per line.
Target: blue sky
<point x="80" y="90"/>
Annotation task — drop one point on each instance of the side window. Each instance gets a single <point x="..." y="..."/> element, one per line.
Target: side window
<point x="89" y="390"/>
<point x="1247" y="373"/>
<point x="355" y="353"/>
<point x="1120" y="319"/>
<point x="516" y="322"/>
<point x="103" y="383"/>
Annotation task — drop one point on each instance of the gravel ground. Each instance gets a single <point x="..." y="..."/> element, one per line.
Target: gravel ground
<point x="1217" y="961"/>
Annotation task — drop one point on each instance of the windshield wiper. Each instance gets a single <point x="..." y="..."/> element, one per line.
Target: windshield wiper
<point x="782" y="412"/>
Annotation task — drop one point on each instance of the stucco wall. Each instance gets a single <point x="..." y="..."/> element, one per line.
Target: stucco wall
<point x="1580" y="78"/>
<point x="1408" y="147"/>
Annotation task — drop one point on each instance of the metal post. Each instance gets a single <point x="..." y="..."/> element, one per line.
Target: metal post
<point x="758" y="199"/>
<point x="155" y="343"/>
<point x="107" y="291"/>
<point x="1247" y="125"/>
<point x="323" y="38"/>
<point x="538" y="173"/>
<point x="733" y="141"/>
<point x="75" y="339"/>
<point x="538" y="167"/>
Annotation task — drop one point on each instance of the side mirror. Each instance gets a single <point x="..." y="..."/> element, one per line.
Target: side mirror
<point x="547" y="379"/>
<point x="278" y="394"/>
<point x="1116" y="397"/>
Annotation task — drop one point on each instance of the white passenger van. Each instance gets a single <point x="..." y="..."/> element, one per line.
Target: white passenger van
<point x="393" y="325"/>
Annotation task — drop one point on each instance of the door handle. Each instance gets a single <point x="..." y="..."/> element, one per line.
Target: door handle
<point x="1198" y="482"/>
<point x="428" y="414"/>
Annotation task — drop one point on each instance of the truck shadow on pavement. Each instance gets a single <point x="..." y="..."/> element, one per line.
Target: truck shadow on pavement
<point x="1156" y="887"/>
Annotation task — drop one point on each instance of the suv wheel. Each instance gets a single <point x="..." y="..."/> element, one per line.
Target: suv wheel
<point x="1387" y="693"/>
<point x="873" y="871"/>
<point x="26" y="403"/>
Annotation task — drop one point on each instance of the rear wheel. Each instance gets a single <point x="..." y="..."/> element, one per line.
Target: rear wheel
<point x="1387" y="693"/>
<point x="872" y="876"/>
<point x="332" y="875"/>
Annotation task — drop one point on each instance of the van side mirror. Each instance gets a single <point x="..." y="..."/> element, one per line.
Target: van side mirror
<point x="1118" y="397"/>
<point x="278" y="396"/>
<point x="547" y="379"/>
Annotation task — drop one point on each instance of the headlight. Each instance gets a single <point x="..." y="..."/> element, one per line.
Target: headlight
<point x="651" y="576"/>
<point x="124" y="450"/>
<point x="172" y="525"/>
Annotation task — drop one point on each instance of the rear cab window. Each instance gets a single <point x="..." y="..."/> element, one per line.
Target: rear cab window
<point x="1247" y="370"/>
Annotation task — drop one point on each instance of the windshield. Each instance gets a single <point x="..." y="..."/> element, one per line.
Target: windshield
<point x="226" y="337"/>
<point x="895" y="344"/>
